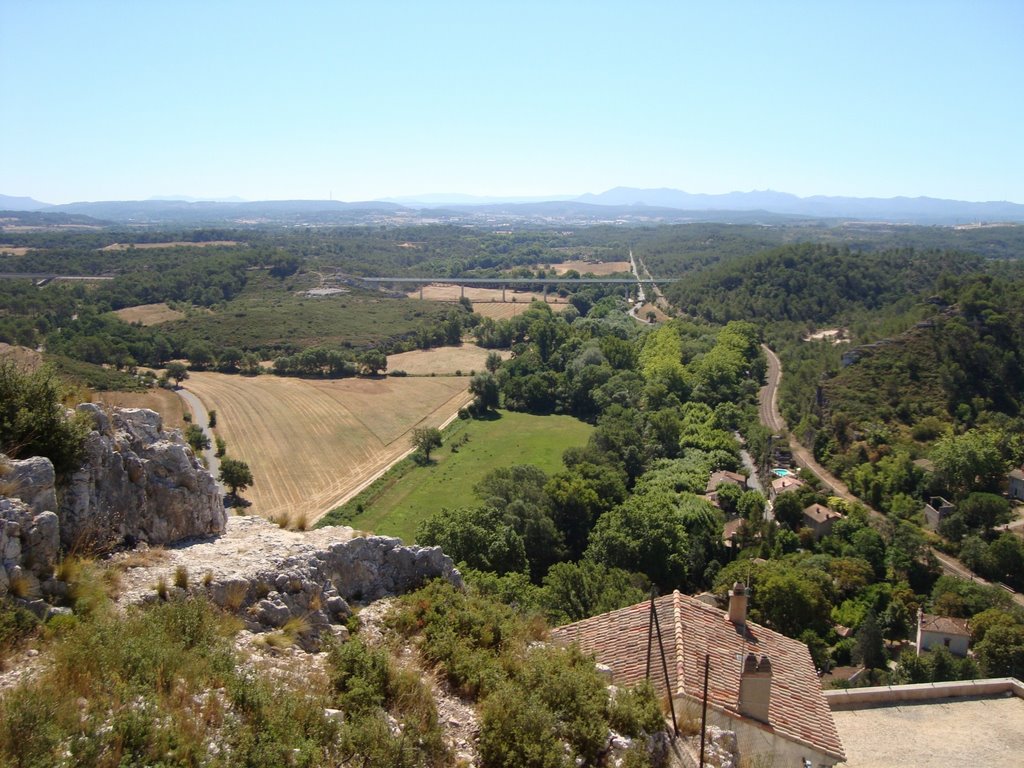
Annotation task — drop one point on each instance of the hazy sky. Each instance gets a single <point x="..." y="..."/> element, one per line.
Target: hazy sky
<point x="273" y="100"/>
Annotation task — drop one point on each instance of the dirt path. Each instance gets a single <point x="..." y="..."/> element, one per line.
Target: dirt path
<point x="202" y="418"/>
<point x="768" y="399"/>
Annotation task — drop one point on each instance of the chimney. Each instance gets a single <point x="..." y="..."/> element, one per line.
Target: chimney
<point x="755" y="687"/>
<point x="738" y="604"/>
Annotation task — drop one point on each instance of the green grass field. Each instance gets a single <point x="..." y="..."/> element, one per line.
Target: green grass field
<point x="396" y="504"/>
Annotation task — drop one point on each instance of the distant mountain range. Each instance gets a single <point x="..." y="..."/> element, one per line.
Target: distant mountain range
<point x="618" y="204"/>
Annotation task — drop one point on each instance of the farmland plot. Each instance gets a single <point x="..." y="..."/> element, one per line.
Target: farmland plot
<point x="311" y="443"/>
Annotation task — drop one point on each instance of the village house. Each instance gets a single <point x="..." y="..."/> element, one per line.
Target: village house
<point x="1015" y="484"/>
<point x="820" y="519"/>
<point x="787" y="483"/>
<point x="761" y="684"/>
<point x="724" y="476"/>
<point x="936" y="510"/>
<point x="942" y="632"/>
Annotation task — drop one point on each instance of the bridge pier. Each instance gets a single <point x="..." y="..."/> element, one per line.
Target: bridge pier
<point x="503" y="294"/>
<point x="462" y="291"/>
<point x="545" y="293"/>
<point x="421" y="291"/>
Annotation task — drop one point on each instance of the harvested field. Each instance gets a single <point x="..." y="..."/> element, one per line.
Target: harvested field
<point x="659" y="315"/>
<point x="487" y="302"/>
<point x="15" y="250"/>
<point x="599" y="268"/>
<point x="175" y="244"/>
<point x="163" y="401"/>
<point x="149" y="314"/>
<point x="442" y="361"/>
<point x="310" y="443"/>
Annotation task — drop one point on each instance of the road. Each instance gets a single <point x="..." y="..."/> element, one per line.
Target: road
<point x="768" y="405"/>
<point x="202" y="418"/>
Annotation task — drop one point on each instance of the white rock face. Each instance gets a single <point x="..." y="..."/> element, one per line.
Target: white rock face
<point x="269" y="575"/>
<point x="138" y="484"/>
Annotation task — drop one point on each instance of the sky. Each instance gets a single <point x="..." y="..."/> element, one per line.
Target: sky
<point x="363" y="100"/>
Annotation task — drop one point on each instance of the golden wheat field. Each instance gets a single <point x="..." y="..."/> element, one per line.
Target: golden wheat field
<point x="489" y="302"/>
<point x="149" y="314"/>
<point x="599" y="268"/>
<point x="442" y="361"/>
<point x="311" y="443"/>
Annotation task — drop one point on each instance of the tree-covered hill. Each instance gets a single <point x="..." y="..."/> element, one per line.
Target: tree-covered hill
<point x="813" y="283"/>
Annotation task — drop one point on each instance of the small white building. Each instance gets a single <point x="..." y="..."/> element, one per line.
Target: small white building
<point x="942" y="632"/>
<point x="1015" y="484"/>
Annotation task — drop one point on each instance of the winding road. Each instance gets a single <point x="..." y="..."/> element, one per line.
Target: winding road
<point x="768" y="405"/>
<point x="202" y="418"/>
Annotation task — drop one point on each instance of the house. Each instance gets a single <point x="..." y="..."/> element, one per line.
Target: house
<point x="724" y="476"/>
<point x="762" y="685"/>
<point x="820" y="519"/>
<point x="787" y="483"/>
<point x="942" y="631"/>
<point x="936" y="510"/>
<point x="1015" y="479"/>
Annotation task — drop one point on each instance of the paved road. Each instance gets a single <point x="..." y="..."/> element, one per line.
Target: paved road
<point x="768" y="399"/>
<point x="202" y="418"/>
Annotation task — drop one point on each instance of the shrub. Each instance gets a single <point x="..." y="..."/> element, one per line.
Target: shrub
<point x="635" y="711"/>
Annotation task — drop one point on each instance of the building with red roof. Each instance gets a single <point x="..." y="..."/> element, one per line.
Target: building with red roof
<point x="761" y="684"/>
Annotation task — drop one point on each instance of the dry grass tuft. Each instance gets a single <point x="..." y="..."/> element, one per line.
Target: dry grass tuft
<point x="299" y="521"/>
<point x="161" y="588"/>
<point x="235" y="594"/>
<point x="208" y="578"/>
<point x="181" y="577"/>
<point x="142" y="558"/>
<point x="22" y="586"/>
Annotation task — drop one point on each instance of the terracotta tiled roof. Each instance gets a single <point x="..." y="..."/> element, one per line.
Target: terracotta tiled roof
<point x="819" y="513"/>
<point x="724" y="476"/>
<point x="689" y="629"/>
<point x="781" y="484"/>
<point x="944" y="625"/>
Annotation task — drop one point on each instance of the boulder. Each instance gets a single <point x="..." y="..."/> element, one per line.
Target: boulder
<point x="32" y="481"/>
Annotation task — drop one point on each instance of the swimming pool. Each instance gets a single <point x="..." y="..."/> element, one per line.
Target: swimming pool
<point x="779" y="471"/>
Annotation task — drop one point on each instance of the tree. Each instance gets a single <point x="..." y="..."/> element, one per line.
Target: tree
<point x="372" y="362"/>
<point x="176" y="370"/>
<point x="493" y="362"/>
<point x="869" y="649"/>
<point x="426" y="439"/>
<point x="196" y="438"/>
<point x="968" y="462"/>
<point x="235" y="474"/>
<point x="33" y="421"/>
<point x="484" y="388"/>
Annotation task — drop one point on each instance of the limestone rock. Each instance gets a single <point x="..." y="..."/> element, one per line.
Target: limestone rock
<point x="137" y="484"/>
<point x="33" y="482"/>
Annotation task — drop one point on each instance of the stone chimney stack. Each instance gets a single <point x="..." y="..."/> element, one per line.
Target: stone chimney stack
<point x="738" y="604"/>
<point x="756" y="687"/>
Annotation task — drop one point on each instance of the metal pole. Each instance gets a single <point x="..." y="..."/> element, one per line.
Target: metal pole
<point x="704" y="714"/>
<point x="664" y="669"/>
<point x="650" y="636"/>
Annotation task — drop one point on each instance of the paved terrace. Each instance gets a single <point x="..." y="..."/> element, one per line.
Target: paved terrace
<point x="937" y="725"/>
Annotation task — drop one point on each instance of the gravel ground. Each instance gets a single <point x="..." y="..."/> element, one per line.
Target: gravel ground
<point x="965" y="732"/>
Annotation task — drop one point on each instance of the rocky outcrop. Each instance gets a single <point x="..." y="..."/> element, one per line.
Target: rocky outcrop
<point x="138" y="484"/>
<point x="269" y="575"/>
